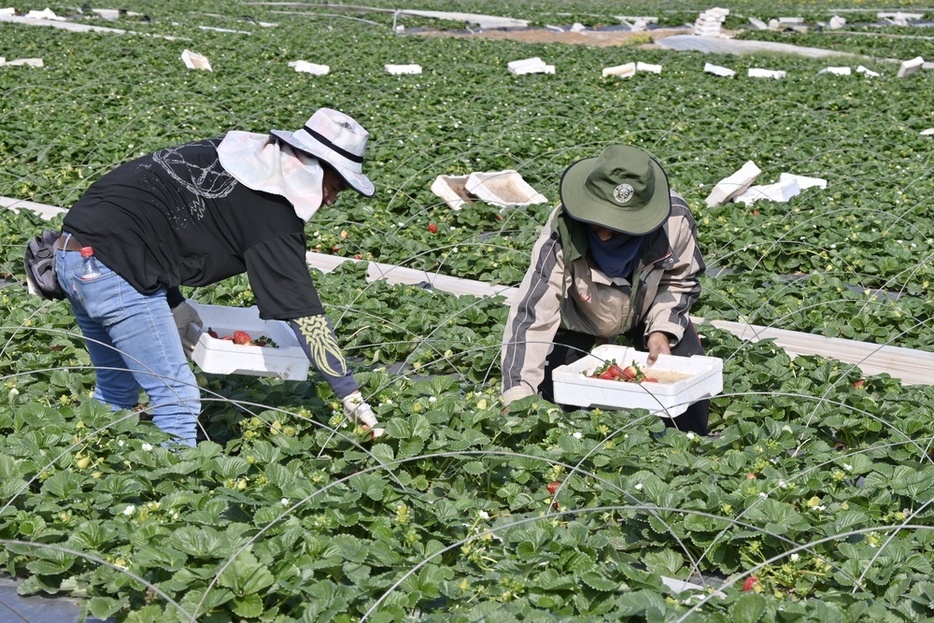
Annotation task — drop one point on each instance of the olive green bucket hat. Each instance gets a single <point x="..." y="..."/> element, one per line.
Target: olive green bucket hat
<point x="622" y="189"/>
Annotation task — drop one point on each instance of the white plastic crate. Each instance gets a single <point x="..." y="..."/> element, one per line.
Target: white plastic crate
<point x="286" y="361"/>
<point x="572" y="386"/>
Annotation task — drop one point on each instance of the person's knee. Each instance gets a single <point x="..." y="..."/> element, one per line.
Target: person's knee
<point x="694" y="419"/>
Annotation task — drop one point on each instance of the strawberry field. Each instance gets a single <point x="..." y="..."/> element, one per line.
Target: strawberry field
<point x="812" y="502"/>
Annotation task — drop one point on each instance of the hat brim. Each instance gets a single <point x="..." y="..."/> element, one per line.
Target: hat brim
<point x="357" y="180"/>
<point x="582" y="207"/>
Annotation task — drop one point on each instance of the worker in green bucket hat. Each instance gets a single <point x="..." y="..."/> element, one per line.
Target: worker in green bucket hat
<point x="618" y="260"/>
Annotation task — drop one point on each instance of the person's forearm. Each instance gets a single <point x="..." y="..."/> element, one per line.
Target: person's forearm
<point x="316" y="337"/>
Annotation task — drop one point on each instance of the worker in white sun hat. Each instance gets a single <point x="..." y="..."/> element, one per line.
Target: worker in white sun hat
<point x="618" y="259"/>
<point x="193" y="215"/>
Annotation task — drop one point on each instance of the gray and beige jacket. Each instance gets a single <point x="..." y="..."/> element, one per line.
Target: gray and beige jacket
<point x="563" y="289"/>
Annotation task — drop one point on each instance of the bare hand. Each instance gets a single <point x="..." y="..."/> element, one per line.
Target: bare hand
<point x="657" y="345"/>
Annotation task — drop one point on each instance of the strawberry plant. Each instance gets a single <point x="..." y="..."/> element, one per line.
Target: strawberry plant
<point x="462" y="509"/>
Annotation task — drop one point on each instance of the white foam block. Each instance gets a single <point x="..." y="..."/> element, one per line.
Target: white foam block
<point x="46" y="13"/>
<point x="403" y="69"/>
<point x="779" y="192"/>
<point x="910" y="67"/>
<point x="194" y="60"/>
<point x="734" y="185"/>
<point x="534" y="65"/>
<point x="716" y="70"/>
<point x="27" y="62"/>
<point x="699" y="377"/>
<point x="503" y="188"/>
<point x="649" y="67"/>
<point x="310" y="68"/>
<point x="626" y="70"/>
<point x="837" y="71"/>
<point x="758" y="23"/>
<point x="804" y="181"/>
<point x="287" y="360"/>
<point x="756" y="72"/>
<point x="447" y="187"/>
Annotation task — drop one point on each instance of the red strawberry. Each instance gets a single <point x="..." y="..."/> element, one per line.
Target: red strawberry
<point x="859" y="384"/>
<point x="212" y="333"/>
<point x="629" y="373"/>
<point x="432" y="228"/>
<point x="553" y="486"/>
<point x="242" y="337"/>
<point x="607" y="375"/>
<point x="750" y="582"/>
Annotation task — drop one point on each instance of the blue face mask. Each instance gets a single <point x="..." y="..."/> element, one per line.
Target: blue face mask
<point x="617" y="256"/>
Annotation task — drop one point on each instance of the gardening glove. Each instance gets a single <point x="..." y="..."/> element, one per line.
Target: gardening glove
<point x="184" y="315"/>
<point x="357" y="410"/>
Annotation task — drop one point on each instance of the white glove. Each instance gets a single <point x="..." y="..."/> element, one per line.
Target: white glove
<point x="184" y="315"/>
<point x="357" y="410"/>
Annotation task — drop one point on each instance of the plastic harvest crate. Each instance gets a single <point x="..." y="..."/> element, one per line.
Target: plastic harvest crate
<point x="218" y="356"/>
<point x="572" y="386"/>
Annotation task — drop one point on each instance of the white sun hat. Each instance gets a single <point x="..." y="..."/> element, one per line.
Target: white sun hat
<point x="336" y="139"/>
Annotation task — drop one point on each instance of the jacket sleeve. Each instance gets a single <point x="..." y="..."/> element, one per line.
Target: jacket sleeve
<point x="316" y="337"/>
<point x="680" y="286"/>
<point x="534" y="318"/>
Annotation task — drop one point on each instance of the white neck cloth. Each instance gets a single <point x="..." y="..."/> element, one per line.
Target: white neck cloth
<point x="262" y="163"/>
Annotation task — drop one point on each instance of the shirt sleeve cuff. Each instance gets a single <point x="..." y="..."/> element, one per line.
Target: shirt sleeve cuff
<point x="174" y="297"/>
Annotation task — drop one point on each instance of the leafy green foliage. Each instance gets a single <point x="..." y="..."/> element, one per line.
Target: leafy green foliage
<point x="818" y="488"/>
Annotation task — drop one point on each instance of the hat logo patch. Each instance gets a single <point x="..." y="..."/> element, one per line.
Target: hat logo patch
<point x="623" y="193"/>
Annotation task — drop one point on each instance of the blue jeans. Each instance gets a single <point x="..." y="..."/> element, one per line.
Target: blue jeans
<point x="133" y="344"/>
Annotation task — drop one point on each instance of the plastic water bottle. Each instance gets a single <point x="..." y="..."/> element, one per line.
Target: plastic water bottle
<point x="91" y="269"/>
